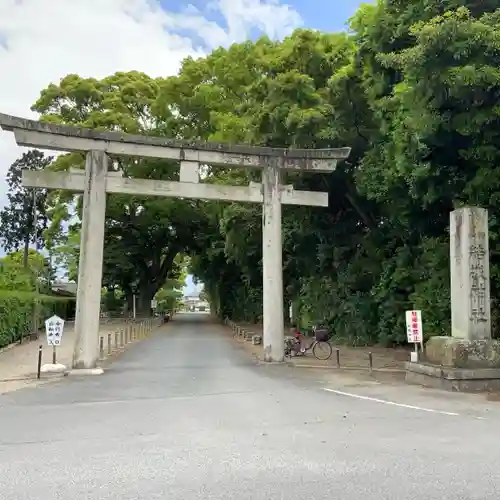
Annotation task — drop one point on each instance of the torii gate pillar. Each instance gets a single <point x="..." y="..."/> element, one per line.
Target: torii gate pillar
<point x="272" y="263"/>
<point x="88" y="297"/>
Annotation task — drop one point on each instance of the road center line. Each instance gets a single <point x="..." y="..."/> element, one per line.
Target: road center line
<point x="391" y="403"/>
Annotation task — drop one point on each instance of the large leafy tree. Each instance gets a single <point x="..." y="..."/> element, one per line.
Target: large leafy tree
<point x="18" y="218"/>
<point x="143" y="235"/>
<point x="15" y="276"/>
<point x="416" y="63"/>
<point x="414" y="95"/>
<point x="278" y="94"/>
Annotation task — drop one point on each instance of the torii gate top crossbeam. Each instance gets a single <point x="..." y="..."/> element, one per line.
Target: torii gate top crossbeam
<point x="34" y="133"/>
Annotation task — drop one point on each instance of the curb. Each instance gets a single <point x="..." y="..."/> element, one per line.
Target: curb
<point x="353" y="368"/>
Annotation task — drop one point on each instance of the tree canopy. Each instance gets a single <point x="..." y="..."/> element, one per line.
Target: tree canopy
<point x="413" y="88"/>
<point x="19" y="225"/>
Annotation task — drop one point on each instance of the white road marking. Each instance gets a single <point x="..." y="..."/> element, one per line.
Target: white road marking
<point x="391" y="403"/>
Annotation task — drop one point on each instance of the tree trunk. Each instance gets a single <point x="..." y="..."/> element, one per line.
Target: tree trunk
<point x="129" y="301"/>
<point x="146" y="294"/>
<point x="26" y="251"/>
<point x="49" y="277"/>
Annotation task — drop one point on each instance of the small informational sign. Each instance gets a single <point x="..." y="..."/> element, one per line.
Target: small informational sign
<point x="414" y="330"/>
<point x="54" y="328"/>
<point x="154" y="304"/>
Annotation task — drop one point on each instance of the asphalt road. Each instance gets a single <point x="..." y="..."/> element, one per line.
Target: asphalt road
<point x="188" y="415"/>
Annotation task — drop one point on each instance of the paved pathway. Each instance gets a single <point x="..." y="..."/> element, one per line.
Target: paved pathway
<point x="187" y="414"/>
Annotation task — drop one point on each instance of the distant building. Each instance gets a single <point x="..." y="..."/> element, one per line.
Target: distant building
<point x="64" y="288"/>
<point x="194" y="303"/>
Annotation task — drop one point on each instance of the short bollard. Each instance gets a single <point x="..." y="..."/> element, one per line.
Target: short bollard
<point x="39" y="367"/>
<point x="117" y="337"/>
<point x="101" y="347"/>
<point x="337" y="356"/>
<point x="134" y="333"/>
<point x="370" y="362"/>
<point x="122" y="338"/>
<point x="109" y="343"/>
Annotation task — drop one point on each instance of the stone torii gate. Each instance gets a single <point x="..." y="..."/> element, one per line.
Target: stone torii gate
<point x="95" y="181"/>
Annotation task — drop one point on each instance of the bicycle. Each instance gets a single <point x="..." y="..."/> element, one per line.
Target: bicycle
<point x="320" y="346"/>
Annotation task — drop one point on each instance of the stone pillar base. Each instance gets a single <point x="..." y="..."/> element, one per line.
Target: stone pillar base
<point x="461" y="353"/>
<point x="453" y="379"/>
<point x="85" y="371"/>
<point x="458" y="365"/>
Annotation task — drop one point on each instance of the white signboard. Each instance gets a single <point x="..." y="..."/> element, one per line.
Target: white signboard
<point x="154" y="304"/>
<point x="414" y="331"/>
<point x="54" y="327"/>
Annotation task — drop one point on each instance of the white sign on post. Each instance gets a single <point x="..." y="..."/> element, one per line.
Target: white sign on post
<point x="414" y="330"/>
<point x="54" y="328"/>
<point x="154" y="304"/>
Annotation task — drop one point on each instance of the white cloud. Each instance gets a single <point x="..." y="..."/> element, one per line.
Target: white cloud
<point x="43" y="40"/>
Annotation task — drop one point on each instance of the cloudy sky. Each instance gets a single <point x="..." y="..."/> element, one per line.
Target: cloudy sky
<point x="41" y="41"/>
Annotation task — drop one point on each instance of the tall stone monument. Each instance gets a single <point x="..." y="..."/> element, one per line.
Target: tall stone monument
<point x="468" y="360"/>
<point x="470" y="274"/>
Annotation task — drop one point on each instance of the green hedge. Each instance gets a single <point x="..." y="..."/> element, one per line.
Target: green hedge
<point x="16" y="312"/>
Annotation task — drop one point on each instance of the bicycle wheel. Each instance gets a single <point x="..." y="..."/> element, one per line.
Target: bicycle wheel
<point x="322" y="350"/>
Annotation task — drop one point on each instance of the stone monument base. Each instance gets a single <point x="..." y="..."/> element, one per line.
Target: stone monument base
<point x="453" y="379"/>
<point x="458" y="365"/>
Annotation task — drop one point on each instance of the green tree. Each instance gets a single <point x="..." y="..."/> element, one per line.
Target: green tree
<point x="143" y="235"/>
<point x="15" y="276"/>
<point x="301" y="92"/>
<point x="17" y="218"/>
<point x="66" y="251"/>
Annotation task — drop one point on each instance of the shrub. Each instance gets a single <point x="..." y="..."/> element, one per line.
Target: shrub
<point x="17" y="309"/>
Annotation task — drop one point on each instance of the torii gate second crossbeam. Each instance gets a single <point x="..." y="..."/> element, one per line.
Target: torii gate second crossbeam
<point x="95" y="181"/>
